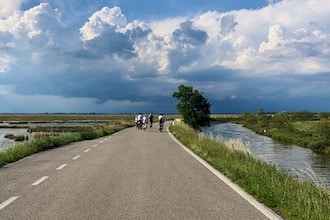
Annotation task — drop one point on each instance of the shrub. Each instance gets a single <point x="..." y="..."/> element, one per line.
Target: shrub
<point x="48" y="142"/>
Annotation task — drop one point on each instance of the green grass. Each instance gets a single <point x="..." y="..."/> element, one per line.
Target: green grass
<point x="20" y="151"/>
<point x="24" y="118"/>
<point x="314" y="135"/>
<point x="305" y="126"/>
<point x="291" y="198"/>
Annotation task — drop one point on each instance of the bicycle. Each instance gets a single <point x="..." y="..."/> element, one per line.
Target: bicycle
<point x="161" y="126"/>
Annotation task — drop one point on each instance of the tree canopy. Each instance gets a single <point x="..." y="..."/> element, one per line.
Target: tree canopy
<point x="193" y="107"/>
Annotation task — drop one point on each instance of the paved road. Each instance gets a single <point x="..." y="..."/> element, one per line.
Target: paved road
<point x="129" y="175"/>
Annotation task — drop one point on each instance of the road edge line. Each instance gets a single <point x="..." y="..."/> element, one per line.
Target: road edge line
<point x="261" y="207"/>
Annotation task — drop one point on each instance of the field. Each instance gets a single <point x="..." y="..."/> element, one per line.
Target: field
<point x="43" y="139"/>
<point x="305" y="126"/>
<point x="23" y="118"/>
<point x="83" y="118"/>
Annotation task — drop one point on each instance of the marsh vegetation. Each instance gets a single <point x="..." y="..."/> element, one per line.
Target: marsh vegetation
<point x="47" y="137"/>
<point x="290" y="197"/>
<point x="304" y="128"/>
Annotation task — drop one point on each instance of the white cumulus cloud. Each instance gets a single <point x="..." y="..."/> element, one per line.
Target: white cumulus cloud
<point x="101" y="20"/>
<point x="8" y="7"/>
<point x="103" y="54"/>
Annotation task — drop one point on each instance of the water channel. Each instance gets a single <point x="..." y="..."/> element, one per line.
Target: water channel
<point x="6" y="143"/>
<point x="300" y="162"/>
<point x="21" y="129"/>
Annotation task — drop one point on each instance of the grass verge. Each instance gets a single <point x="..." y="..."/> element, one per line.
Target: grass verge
<point x="20" y="151"/>
<point x="289" y="197"/>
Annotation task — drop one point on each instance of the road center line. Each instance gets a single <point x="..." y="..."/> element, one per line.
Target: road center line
<point x="76" y="157"/>
<point x="101" y="142"/>
<point x="8" y="201"/>
<point x="62" y="166"/>
<point x="40" y="180"/>
<point x="87" y="150"/>
<point x="95" y="145"/>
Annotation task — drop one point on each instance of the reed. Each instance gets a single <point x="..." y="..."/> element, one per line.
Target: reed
<point x="20" y="151"/>
<point x="290" y="197"/>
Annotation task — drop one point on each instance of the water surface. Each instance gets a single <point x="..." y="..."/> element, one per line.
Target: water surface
<point x="4" y="142"/>
<point x="298" y="161"/>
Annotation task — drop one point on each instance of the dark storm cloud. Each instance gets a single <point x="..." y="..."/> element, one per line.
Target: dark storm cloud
<point x="215" y="74"/>
<point x="183" y="54"/>
<point x="227" y="24"/>
<point x="187" y="35"/>
<point x="179" y="58"/>
<point x="242" y="60"/>
<point x="112" y="42"/>
<point x="137" y="32"/>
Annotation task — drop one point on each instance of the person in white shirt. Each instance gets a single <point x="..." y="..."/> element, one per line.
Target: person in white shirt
<point x="161" y="120"/>
<point x="139" y="121"/>
<point x="145" y="122"/>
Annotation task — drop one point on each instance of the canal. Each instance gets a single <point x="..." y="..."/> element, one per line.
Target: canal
<point x="22" y="129"/>
<point x="300" y="162"/>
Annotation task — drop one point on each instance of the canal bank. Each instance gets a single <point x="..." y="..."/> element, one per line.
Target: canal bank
<point x="292" y="198"/>
<point x="297" y="161"/>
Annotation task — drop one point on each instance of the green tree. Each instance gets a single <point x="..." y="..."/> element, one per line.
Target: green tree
<point x="193" y="107"/>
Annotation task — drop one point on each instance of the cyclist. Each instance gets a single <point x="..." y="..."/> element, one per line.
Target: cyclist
<point x="139" y="121"/>
<point x="144" y="122"/>
<point x="161" y="120"/>
<point x="151" y="120"/>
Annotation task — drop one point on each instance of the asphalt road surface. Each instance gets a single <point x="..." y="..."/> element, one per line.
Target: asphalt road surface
<point x="132" y="174"/>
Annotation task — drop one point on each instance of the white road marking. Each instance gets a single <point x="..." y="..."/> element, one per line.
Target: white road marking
<point x="8" y="201"/>
<point x="76" y="157"/>
<point x="262" y="208"/>
<point x="40" y="180"/>
<point x="95" y="145"/>
<point x="62" y="166"/>
<point x="87" y="150"/>
<point x="105" y="139"/>
<point x="101" y="142"/>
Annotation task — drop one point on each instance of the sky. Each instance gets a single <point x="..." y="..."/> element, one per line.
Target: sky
<point x="129" y="56"/>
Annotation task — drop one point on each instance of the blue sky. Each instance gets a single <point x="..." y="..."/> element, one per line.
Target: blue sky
<point x="130" y="56"/>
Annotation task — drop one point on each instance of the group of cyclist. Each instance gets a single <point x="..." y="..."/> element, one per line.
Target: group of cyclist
<point x="143" y="121"/>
